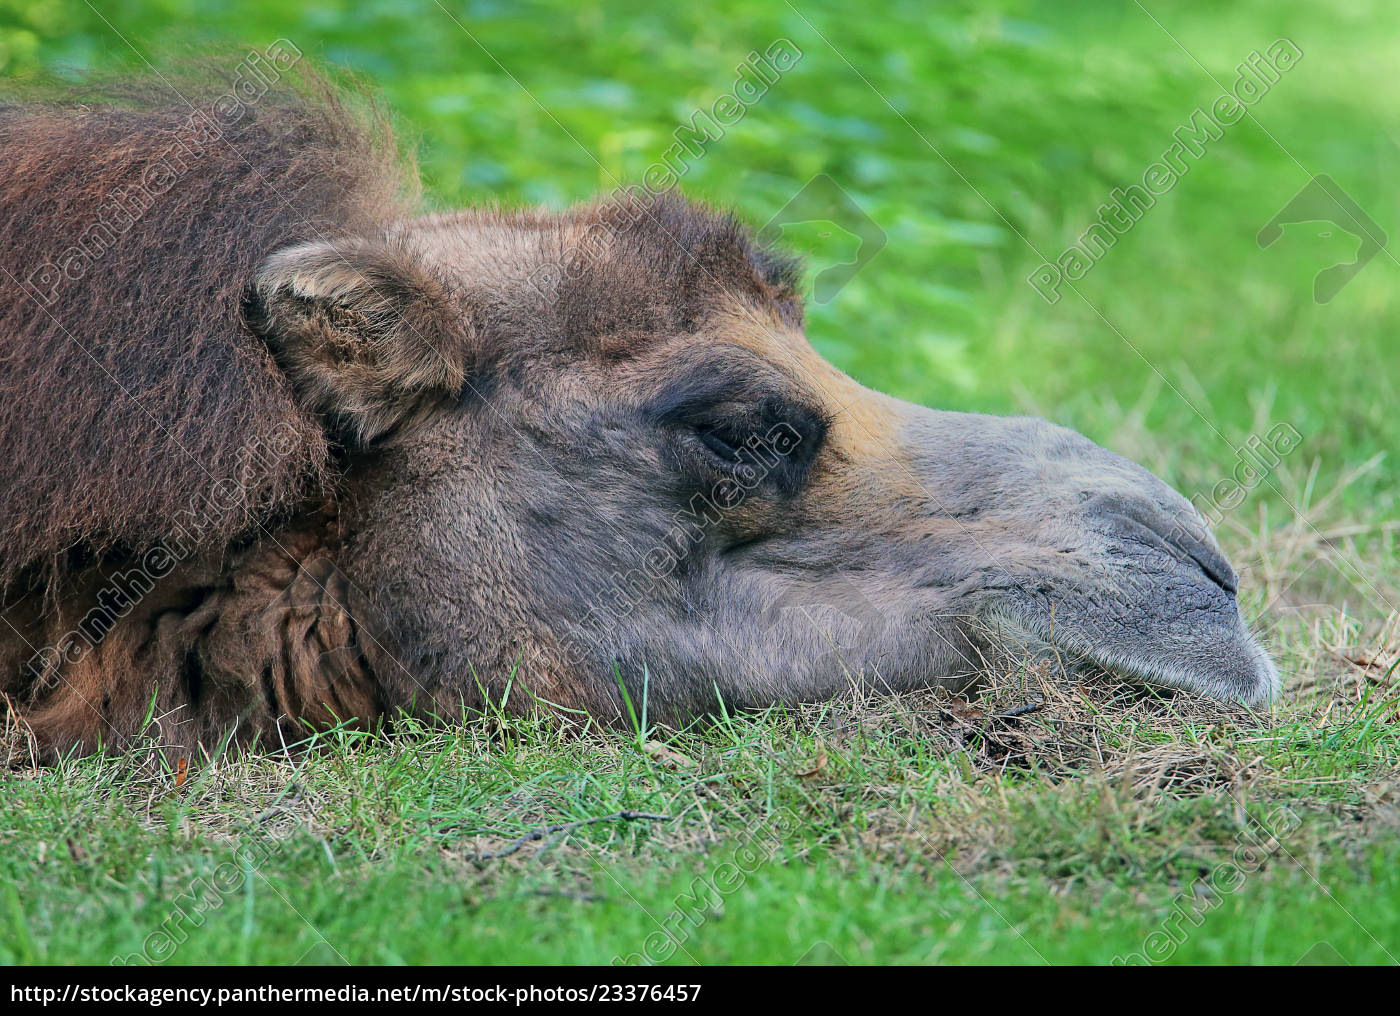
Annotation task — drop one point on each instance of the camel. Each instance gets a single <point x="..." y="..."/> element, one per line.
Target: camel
<point x="283" y="452"/>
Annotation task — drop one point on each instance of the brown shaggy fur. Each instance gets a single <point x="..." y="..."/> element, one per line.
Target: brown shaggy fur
<point x="130" y="395"/>
<point x="136" y="386"/>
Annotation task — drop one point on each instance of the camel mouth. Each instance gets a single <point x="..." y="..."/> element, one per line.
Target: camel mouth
<point x="1224" y="662"/>
<point x="1159" y="618"/>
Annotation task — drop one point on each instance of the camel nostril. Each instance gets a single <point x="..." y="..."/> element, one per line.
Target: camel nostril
<point x="1181" y="533"/>
<point x="1213" y="563"/>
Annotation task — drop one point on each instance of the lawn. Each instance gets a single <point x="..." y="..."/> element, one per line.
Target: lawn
<point x="965" y="144"/>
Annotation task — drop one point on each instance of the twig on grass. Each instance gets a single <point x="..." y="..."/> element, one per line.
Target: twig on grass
<point x="568" y="827"/>
<point x="1029" y="707"/>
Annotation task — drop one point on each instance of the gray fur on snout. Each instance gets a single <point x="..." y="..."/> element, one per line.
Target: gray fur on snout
<point x="1108" y="565"/>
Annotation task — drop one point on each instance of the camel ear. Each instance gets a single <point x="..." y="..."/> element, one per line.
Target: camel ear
<point x="368" y="335"/>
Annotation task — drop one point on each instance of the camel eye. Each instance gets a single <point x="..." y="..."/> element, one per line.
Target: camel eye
<point x="737" y="424"/>
<point x="728" y="441"/>
<point x="772" y="442"/>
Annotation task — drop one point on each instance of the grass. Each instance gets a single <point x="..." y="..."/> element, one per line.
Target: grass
<point x="920" y="829"/>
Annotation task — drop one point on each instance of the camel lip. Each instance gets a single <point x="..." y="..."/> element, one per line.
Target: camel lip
<point x="1157" y="615"/>
<point x="1216" y="660"/>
